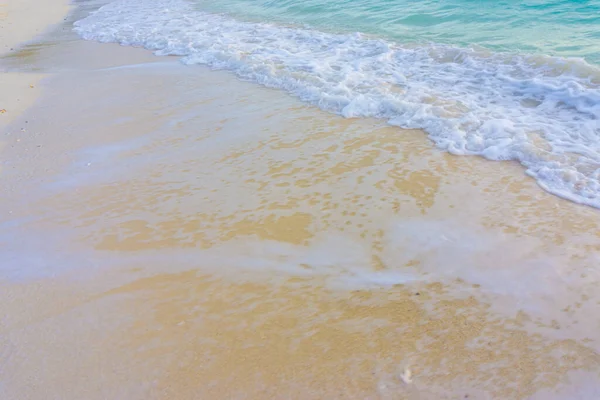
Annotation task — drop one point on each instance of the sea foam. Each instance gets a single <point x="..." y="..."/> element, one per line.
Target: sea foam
<point x="541" y="111"/>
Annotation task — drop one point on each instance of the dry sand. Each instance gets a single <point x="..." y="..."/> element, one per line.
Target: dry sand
<point x="169" y="232"/>
<point x="21" y="21"/>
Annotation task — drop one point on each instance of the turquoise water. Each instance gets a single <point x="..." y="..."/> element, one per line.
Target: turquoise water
<point x="569" y="28"/>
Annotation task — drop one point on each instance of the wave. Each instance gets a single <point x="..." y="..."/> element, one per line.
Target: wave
<point x="541" y="111"/>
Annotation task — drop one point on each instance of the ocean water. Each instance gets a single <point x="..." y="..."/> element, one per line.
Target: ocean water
<point x="506" y="80"/>
<point x="566" y="28"/>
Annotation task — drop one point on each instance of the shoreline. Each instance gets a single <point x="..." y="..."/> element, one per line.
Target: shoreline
<point x="176" y="233"/>
<point x="351" y="76"/>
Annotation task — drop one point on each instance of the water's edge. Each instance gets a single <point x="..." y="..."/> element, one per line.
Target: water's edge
<point x="541" y="111"/>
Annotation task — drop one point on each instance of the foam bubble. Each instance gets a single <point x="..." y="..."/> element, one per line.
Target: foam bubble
<point x="543" y="112"/>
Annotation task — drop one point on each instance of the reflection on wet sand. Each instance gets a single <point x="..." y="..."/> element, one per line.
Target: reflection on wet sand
<point x="205" y="245"/>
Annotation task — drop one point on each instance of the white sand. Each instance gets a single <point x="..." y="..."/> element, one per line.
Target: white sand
<point x="23" y="20"/>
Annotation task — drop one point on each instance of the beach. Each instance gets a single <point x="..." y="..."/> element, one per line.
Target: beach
<point x="170" y="231"/>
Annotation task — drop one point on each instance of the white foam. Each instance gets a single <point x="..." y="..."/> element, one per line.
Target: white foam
<point x="541" y="111"/>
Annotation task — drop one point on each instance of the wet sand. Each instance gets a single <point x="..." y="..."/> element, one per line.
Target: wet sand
<point x="169" y="232"/>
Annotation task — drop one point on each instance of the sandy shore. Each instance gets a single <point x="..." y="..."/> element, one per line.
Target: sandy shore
<point x="169" y="232"/>
<point x="22" y="21"/>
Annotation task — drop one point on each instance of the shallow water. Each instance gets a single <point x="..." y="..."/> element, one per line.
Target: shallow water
<point x="197" y="236"/>
<point x="565" y="28"/>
